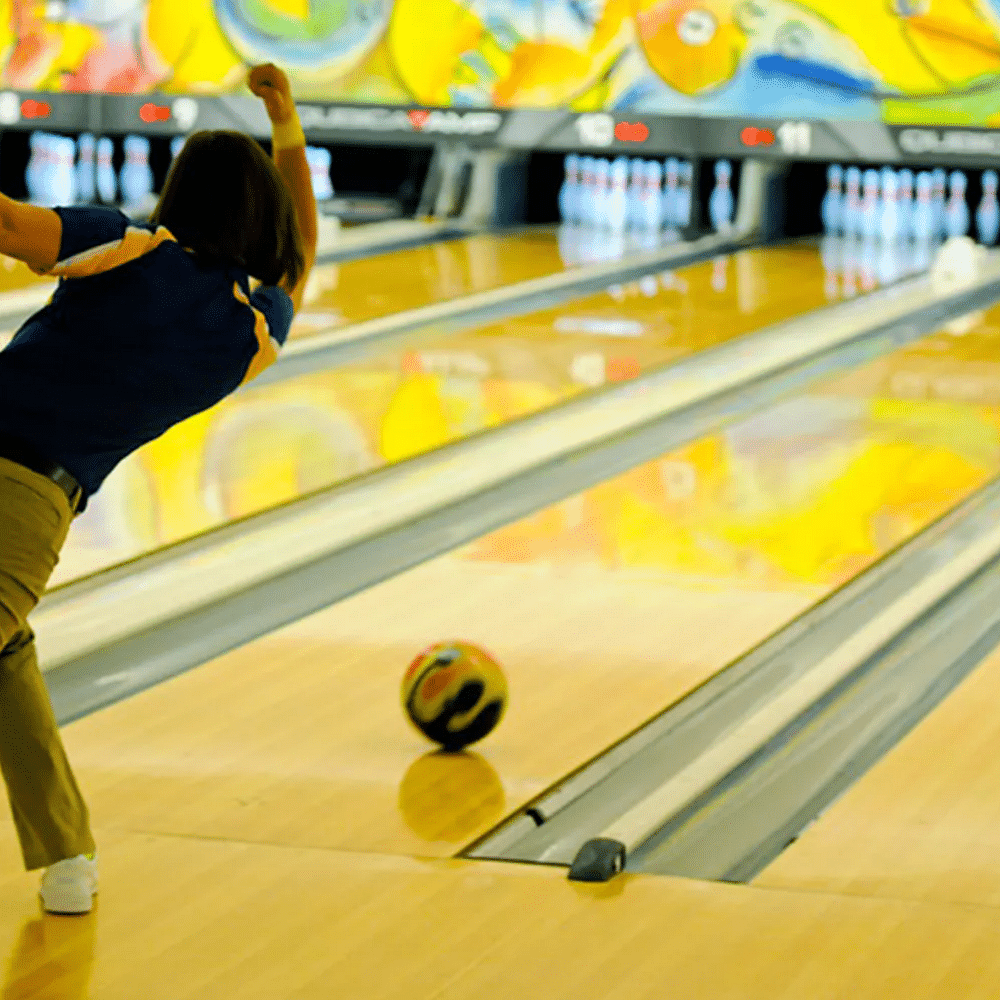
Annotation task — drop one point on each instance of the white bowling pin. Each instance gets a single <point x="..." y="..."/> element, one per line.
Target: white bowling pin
<point x="889" y="221"/>
<point x="923" y="209"/>
<point x="31" y="174"/>
<point x="870" y="206"/>
<point x="570" y="186"/>
<point x="852" y="202"/>
<point x="832" y="209"/>
<point x="669" y="201"/>
<point x="938" y="180"/>
<point x="988" y="212"/>
<point x="601" y="216"/>
<point x="136" y="176"/>
<point x="588" y="202"/>
<point x="685" y="180"/>
<point x="905" y="203"/>
<point x="85" y="169"/>
<point x="720" y="202"/>
<point x="48" y="175"/>
<point x="319" y="159"/>
<point x="957" y="212"/>
<point x="107" y="182"/>
<point x="64" y="192"/>
<point x="636" y="183"/>
<point x="618" y="196"/>
<point x="653" y="197"/>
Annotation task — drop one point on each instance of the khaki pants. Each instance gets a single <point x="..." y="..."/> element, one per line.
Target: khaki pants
<point x="49" y="812"/>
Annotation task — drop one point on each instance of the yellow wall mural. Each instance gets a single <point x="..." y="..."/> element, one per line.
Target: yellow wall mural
<point x="930" y="61"/>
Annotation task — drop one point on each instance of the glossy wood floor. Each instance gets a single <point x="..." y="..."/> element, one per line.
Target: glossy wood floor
<point x="924" y="823"/>
<point x="193" y="919"/>
<point x="380" y="284"/>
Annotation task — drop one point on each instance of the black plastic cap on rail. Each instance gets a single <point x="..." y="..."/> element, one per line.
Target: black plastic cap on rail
<point x="599" y="860"/>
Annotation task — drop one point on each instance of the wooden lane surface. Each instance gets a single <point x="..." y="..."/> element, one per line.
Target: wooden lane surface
<point x="603" y="609"/>
<point x="380" y="284"/>
<point x="267" y="445"/>
<point x="188" y="919"/>
<point x="924" y="823"/>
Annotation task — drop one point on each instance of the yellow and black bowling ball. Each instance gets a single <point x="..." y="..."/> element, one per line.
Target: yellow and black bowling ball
<point x="455" y="694"/>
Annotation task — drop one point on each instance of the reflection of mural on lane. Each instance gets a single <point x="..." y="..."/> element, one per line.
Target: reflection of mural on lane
<point x="261" y="453"/>
<point x="269" y="444"/>
<point x="901" y="60"/>
<point x="807" y="494"/>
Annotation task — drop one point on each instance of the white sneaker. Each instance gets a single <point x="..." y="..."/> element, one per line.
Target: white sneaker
<point x="68" y="887"/>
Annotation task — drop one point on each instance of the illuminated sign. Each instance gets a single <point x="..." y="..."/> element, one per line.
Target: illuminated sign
<point x="751" y="136"/>
<point x="629" y="132"/>
<point x="435" y="122"/>
<point x="154" y="113"/>
<point x="35" y="109"/>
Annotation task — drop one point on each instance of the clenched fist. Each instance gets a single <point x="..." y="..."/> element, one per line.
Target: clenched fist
<point x="271" y="85"/>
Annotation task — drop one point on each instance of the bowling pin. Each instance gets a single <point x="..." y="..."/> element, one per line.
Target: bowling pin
<point x="569" y="189"/>
<point x="588" y="197"/>
<point x="832" y="209"/>
<point x="669" y="202"/>
<point x="889" y="221"/>
<point x="85" y="167"/>
<point x="50" y="172"/>
<point x="905" y="204"/>
<point x="852" y="204"/>
<point x="720" y="202"/>
<point x="869" y="205"/>
<point x="31" y="178"/>
<point x="685" y="179"/>
<point x="988" y="212"/>
<point x="636" y="182"/>
<point x="107" y="183"/>
<point x="136" y="176"/>
<point x="957" y="212"/>
<point x="938" y="178"/>
<point x="318" y="158"/>
<point x="923" y="210"/>
<point x="603" y="193"/>
<point x="618" y="196"/>
<point x="64" y="177"/>
<point x="652" y="204"/>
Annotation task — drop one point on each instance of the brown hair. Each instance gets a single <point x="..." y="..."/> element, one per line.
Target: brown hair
<point x="225" y="199"/>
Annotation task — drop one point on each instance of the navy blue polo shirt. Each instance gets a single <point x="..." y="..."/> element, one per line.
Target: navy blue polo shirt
<point x="138" y="336"/>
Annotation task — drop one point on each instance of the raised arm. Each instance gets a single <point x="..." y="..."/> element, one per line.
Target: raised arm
<point x="271" y="85"/>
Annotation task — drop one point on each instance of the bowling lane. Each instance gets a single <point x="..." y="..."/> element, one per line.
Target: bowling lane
<point x="270" y="444"/>
<point x="371" y="287"/>
<point x="603" y="609"/>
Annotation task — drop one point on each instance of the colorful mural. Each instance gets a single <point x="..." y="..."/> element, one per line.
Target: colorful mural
<point x="922" y="61"/>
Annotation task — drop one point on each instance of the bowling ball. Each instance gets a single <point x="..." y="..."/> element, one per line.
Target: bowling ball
<point x="455" y="693"/>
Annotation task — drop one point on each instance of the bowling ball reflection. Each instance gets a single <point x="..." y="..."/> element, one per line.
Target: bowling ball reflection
<point x="451" y="797"/>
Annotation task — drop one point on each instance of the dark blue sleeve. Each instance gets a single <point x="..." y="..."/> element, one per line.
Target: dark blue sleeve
<point x="278" y="310"/>
<point x="86" y="226"/>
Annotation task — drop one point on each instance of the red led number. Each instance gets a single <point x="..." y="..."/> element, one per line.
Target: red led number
<point x="757" y="136"/>
<point x="154" y="113"/>
<point x="35" y="109"/>
<point x="631" y="132"/>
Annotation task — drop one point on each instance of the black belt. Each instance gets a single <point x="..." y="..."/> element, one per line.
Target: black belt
<point x="22" y="454"/>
